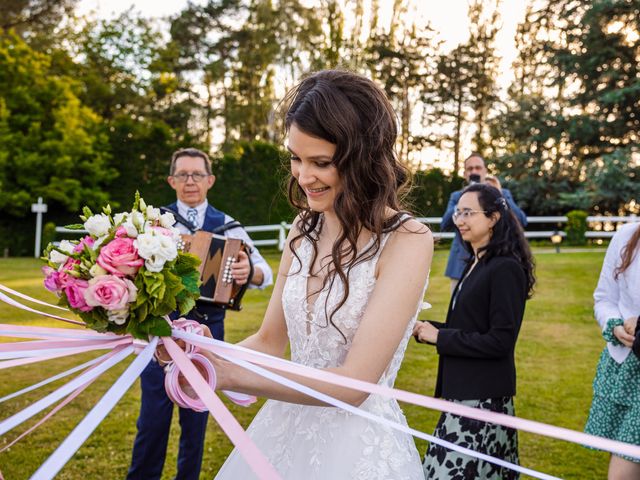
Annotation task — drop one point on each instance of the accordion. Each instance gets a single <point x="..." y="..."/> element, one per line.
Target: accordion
<point x="217" y="253"/>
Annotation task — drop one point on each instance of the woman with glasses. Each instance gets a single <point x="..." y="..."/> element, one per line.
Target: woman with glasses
<point x="476" y="343"/>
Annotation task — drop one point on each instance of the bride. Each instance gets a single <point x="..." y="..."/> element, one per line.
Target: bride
<point x="349" y="288"/>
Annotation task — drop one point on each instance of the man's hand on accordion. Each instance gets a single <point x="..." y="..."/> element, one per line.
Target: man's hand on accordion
<point x="241" y="268"/>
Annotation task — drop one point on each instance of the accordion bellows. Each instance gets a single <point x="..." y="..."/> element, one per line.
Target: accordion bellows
<point x="217" y="253"/>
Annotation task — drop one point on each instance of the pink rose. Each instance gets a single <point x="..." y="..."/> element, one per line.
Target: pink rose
<point x="164" y="231"/>
<point x="84" y="241"/>
<point x="63" y="278"/>
<point x="110" y="292"/>
<point x="120" y="257"/>
<point x="75" y="295"/>
<point x="52" y="280"/>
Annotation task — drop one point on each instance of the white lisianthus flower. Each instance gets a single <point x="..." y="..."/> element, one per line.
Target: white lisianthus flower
<point x="119" y="317"/>
<point x="154" y="264"/>
<point x="168" y="249"/>
<point x="57" y="257"/>
<point x="132" y="231"/>
<point x="98" y="225"/>
<point x="167" y="220"/>
<point x="137" y="219"/>
<point x="142" y="205"/>
<point x="153" y="214"/>
<point x="97" y="271"/>
<point x="67" y="246"/>
<point x="147" y="244"/>
<point x="119" y="217"/>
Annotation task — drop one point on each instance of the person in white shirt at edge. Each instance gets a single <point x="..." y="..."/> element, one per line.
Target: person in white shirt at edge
<point x="191" y="177"/>
<point x="615" y="409"/>
<point x="350" y="285"/>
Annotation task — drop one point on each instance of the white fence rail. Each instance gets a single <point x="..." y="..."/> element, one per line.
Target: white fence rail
<point x="602" y="227"/>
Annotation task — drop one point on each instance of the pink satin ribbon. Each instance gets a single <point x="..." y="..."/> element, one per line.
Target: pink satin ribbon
<point x="252" y="455"/>
<point x="416" y="399"/>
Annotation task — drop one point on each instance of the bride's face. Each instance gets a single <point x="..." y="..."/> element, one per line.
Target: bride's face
<point x="312" y="166"/>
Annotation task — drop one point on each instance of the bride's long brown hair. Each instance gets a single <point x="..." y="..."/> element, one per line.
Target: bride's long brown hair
<point x="354" y="114"/>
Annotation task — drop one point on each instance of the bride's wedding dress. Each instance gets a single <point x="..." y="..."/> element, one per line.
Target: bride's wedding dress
<point x="326" y="443"/>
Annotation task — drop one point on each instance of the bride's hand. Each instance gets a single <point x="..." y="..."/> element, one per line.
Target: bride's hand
<point x="222" y="367"/>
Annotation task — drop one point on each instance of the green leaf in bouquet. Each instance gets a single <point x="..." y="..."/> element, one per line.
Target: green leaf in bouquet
<point x="186" y="263"/>
<point x="153" y="325"/>
<point x="154" y="284"/>
<point x="192" y="283"/>
<point x="74" y="226"/>
<point x="96" y="319"/>
<point x="139" y="312"/>
<point x="186" y="305"/>
<point x="166" y="306"/>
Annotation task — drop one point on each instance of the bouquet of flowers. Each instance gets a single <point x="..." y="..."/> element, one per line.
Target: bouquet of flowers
<point x="127" y="274"/>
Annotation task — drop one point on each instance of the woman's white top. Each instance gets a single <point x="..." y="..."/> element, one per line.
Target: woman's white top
<point x="618" y="298"/>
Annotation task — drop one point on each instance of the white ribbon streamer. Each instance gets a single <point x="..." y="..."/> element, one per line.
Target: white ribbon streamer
<point x="49" y="469"/>
<point x="62" y="392"/>
<point x="384" y="421"/>
<point x="53" y="379"/>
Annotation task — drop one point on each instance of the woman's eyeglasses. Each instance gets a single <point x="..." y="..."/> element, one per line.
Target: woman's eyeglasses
<point x="465" y="214"/>
<point x="182" y="177"/>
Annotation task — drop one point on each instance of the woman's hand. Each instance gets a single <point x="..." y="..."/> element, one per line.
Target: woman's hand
<point x="222" y="367"/>
<point x="630" y="325"/>
<point x="623" y="337"/>
<point x="425" y="332"/>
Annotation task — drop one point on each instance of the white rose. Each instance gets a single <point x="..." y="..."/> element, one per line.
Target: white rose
<point x="167" y="220"/>
<point x="119" y="317"/>
<point x="132" y="231"/>
<point x="168" y="249"/>
<point x="98" y="225"/>
<point x="147" y="244"/>
<point x="97" y="271"/>
<point x="153" y="214"/>
<point x="155" y="264"/>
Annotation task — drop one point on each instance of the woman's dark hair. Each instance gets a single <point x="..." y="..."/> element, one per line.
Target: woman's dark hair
<point x="507" y="238"/>
<point x="353" y="113"/>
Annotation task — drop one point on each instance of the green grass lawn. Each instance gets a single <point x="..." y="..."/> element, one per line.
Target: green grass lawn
<point x="556" y="355"/>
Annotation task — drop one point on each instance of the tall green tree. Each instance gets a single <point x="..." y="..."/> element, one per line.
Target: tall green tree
<point x="572" y="109"/>
<point x="463" y="90"/>
<point x="51" y="144"/>
<point x="401" y="59"/>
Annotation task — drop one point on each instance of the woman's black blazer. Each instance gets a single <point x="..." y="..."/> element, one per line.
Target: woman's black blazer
<point x="476" y="344"/>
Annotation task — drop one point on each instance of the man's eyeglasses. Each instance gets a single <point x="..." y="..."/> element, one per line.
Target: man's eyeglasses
<point x="182" y="177"/>
<point x="465" y="214"/>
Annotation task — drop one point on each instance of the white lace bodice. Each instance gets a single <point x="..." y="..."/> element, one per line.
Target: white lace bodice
<point x="314" y="341"/>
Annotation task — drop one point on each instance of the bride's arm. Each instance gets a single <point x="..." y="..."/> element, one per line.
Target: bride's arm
<point x="401" y="275"/>
<point x="272" y="336"/>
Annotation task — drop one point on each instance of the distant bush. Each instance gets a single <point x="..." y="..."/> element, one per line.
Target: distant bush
<point x="576" y="227"/>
